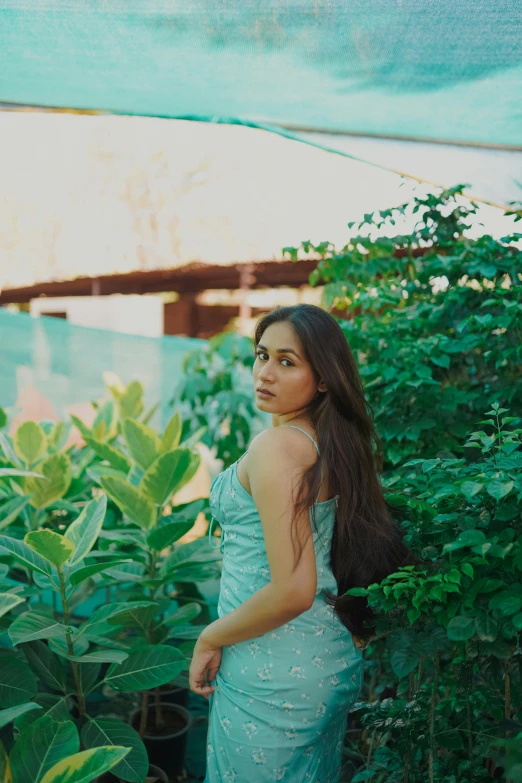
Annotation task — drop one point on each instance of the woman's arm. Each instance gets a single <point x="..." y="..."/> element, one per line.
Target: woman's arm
<point x="276" y="461"/>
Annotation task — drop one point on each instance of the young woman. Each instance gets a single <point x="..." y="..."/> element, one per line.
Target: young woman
<point x="303" y="519"/>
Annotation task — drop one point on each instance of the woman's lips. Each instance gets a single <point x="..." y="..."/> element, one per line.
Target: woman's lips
<point x="265" y="393"/>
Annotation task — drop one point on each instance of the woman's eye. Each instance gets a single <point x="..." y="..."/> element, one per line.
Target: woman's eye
<point x="262" y="353"/>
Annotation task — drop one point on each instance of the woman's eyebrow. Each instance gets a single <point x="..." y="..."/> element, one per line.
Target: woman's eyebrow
<point x="280" y="350"/>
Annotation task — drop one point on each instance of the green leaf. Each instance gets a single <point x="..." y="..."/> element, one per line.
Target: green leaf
<point x="7" y="716"/>
<point x="52" y="546"/>
<point x="84" y="531"/>
<point x="41" y="746"/>
<point x="99" y="656"/>
<point x="103" y="614"/>
<point x="172" y="435"/>
<point x="499" y="489"/>
<point x="133" y="503"/>
<point x="131" y="401"/>
<point x="470" y="488"/>
<point x="466" y="538"/>
<point x="166" y="475"/>
<point x="29" y="442"/>
<point x="517" y="621"/>
<point x="24" y="555"/>
<point x="506" y="603"/>
<point x="146" y="667"/>
<point x="486" y="628"/>
<point x="360" y="592"/>
<point x="58" y="707"/>
<point x="45" y="664"/>
<point x="403" y="661"/>
<point x="184" y="614"/>
<point x="34" y="625"/>
<point x="15" y="472"/>
<point x="461" y="628"/>
<point x="467" y="569"/>
<point x="3" y="418"/>
<point x="82" y="574"/>
<point x="18" y="684"/>
<point x="142" y="442"/>
<point x="57" y="470"/>
<point x="85" y="766"/>
<point x="8" y="601"/>
<point x="137" y="616"/>
<point x="107" y="452"/>
<point x="165" y="535"/>
<point x="12" y="510"/>
<point x="99" y="732"/>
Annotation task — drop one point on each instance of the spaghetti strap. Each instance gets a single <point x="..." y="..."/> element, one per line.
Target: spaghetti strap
<point x="295" y="427"/>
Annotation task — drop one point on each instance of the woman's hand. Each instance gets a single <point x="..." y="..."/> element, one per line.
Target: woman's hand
<point x="205" y="659"/>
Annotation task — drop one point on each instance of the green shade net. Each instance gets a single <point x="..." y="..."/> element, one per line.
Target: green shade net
<point x="429" y="70"/>
<point x="48" y="360"/>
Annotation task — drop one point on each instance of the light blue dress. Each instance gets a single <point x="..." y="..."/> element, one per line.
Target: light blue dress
<point x="280" y="704"/>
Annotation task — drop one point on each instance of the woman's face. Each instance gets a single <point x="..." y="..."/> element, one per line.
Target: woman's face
<point x="280" y="367"/>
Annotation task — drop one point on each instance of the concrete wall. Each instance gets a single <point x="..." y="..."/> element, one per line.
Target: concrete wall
<point x="132" y="314"/>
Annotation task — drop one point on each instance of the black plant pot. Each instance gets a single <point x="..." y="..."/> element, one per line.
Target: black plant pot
<point x="171" y="694"/>
<point x="165" y="747"/>
<point x="155" y="774"/>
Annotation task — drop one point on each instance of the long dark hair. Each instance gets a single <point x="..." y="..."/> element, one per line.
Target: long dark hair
<point x="366" y="542"/>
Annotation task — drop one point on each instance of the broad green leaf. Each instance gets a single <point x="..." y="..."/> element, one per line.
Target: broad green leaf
<point x="133" y="503"/>
<point x="8" y="601"/>
<point x="506" y="603"/>
<point x="84" y="531"/>
<point x="24" y="555"/>
<point x="29" y="442"/>
<point x="52" y="546"/>
<point x="59" y="645"/>
<point x="3" y="418"/>
<point x="6" y="716"/>
<point x="486" y="628"/>
<point x="82" y="574"/>
<point x="15" y="472"/>
<point x="100" y="656"/>
<point x="172" y="434"/>
<point x="183" y="615"/>
<point x="470" y="488"/>
<point x="126" y="572"/>
<point x="85" y="766"/>
<point x="137" y="616"/>
<point x="461" y="628"/>
<point x="466" y="538"/>
<point x="185" y="631"/>
<point x="46" y="665"/>
<point x="403" y="661"/>
<point x="34" y="625"/>
<point x="57" y="470"/>
<point x="8" y="450"/>
<point x="131" y="400"/>
<point x="101" y="731"/>
<point x="95" y="472"/>
<point x="499" y="489"/>
<point x="142" y="442"/>
<point x="12" y="510"/>
<point x="57" y="707"/>
<point x="164" y="536"/>
<point x="166" y="475"/>
<point x="112" y="455"/>
<point x="517" y="622"/>
<point x="105" y="424"/>
<point x="110" y="611"/>
<point x="84" y="430"/>
<point x="146" y="667"/>
<point x="18" y="684"/>
<point x="41" y="745"/>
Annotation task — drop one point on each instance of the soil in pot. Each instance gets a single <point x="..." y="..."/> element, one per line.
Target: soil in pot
<point x="165" y="743"/>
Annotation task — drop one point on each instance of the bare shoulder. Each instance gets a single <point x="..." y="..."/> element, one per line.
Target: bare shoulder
<point x="282" y="444"/>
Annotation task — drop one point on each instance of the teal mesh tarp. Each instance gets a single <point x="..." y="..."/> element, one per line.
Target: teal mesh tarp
<point x="434" y="70"/>
<point x="48" y="360"/>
